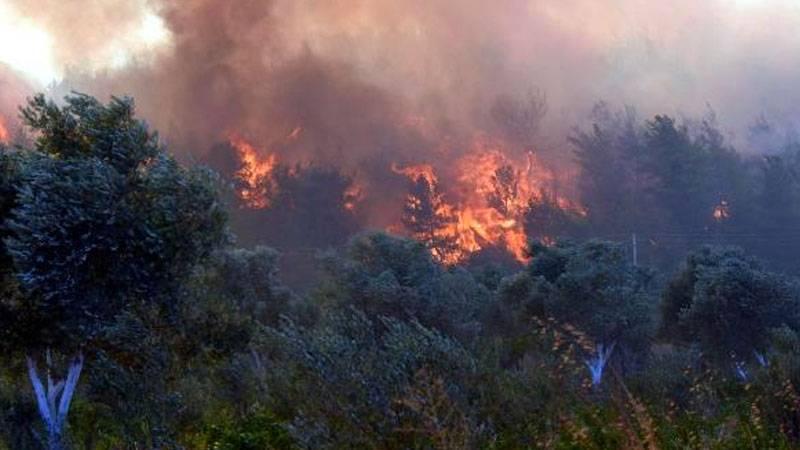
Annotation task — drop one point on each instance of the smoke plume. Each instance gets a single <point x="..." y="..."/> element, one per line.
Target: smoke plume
<point x="368" y="84"/>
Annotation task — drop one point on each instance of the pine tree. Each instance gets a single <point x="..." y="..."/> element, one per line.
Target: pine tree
<point x="505" y="190"/>
<point x="428" y="217"/>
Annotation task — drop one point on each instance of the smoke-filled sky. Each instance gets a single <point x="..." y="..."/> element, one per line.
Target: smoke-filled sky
<point x="350" y="71"/>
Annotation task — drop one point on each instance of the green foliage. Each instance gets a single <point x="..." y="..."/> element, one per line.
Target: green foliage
<point x="592" y="286"/>
<point x="113" y="247"/>
<point x="259" y="431"/>
<point x="103" y="217"/>
<point x="356" y="368"/>
<point x="229" y="297"/>
<point x="729" y="304"/>
<point x="389" y="276"/>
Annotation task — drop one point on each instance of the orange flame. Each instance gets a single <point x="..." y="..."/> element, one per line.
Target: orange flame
<point x="721" y="211"/>
<point x="353" y="196"/>
<point x="256" y="174"/>
<point x="5" y="136"/>
<point x="493" y="192"/>
<point x="415" y="171"/>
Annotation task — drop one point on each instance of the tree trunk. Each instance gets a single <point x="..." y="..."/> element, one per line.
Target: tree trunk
<point x="54" y="399"/>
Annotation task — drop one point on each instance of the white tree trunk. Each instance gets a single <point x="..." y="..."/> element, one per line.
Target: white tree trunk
<point x="53" y="401"/>
<point x="597" y="363"/>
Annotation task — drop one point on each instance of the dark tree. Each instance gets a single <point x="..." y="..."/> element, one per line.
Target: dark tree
<point x="612" y="181"/>
<point x="389" y="276"/>
<point x="676" y="185"/>
<point x="546" y="221"/>
<point x="778" y="209"/>
<point x="592" y="286"/>
<point x="728" y="304"/>
<point x="426" y="217"/>
<point x="308" y="209"/>
<point x="505" y="190"/>
<point x="104" y="222"/>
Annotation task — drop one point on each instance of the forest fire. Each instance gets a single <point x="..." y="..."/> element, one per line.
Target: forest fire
<point x="255" y="173"/>
<point x="5" y="136"/>
<point x="485" y="205"/>
<point x="722" y="211"/>
<point x="352" y="196"/>
<point x="476" y="202"/>
<point x="455" y="223"/>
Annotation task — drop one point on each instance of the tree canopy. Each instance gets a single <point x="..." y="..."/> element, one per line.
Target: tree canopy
<point x="103" y="218"/>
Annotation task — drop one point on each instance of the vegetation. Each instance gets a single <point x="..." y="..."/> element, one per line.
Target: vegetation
<point x="119" y="270"/>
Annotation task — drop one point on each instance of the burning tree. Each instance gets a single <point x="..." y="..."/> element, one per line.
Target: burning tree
<point x="285" y="206"/>
<point x="505" y="190"/>
<point x="428" y="217"/>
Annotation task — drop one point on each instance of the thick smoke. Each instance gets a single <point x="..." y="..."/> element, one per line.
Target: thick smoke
<point x="372" y="82"/>
<point x="354" y="70"/>
<point x="13" y="91"/>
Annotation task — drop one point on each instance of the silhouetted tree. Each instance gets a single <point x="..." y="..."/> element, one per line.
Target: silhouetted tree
<point x="425" y="216"/>
<point x="546" y="221"/>
<point x="612" y="182"/>
<point x="778" y="209"/>
<point x="505" y="190"/>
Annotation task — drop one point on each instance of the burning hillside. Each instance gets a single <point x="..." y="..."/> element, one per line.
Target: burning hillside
<point x="484" y="205"/>
<point x="451" y="125"/>
<point x="479" y="202"/>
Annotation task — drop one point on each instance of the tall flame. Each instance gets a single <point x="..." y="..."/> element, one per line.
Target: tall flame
<point x="256" y="173"/>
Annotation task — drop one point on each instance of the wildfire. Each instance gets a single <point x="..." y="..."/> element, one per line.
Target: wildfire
<point x="5" y="136"/>
<point x="721" y="211"/>
<point x="416" y="171"/>
<point x="353" y="196"/>
<point x="492" y="192"/>
<point x="478" y="201"/>
<point x="255" y="173"/>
